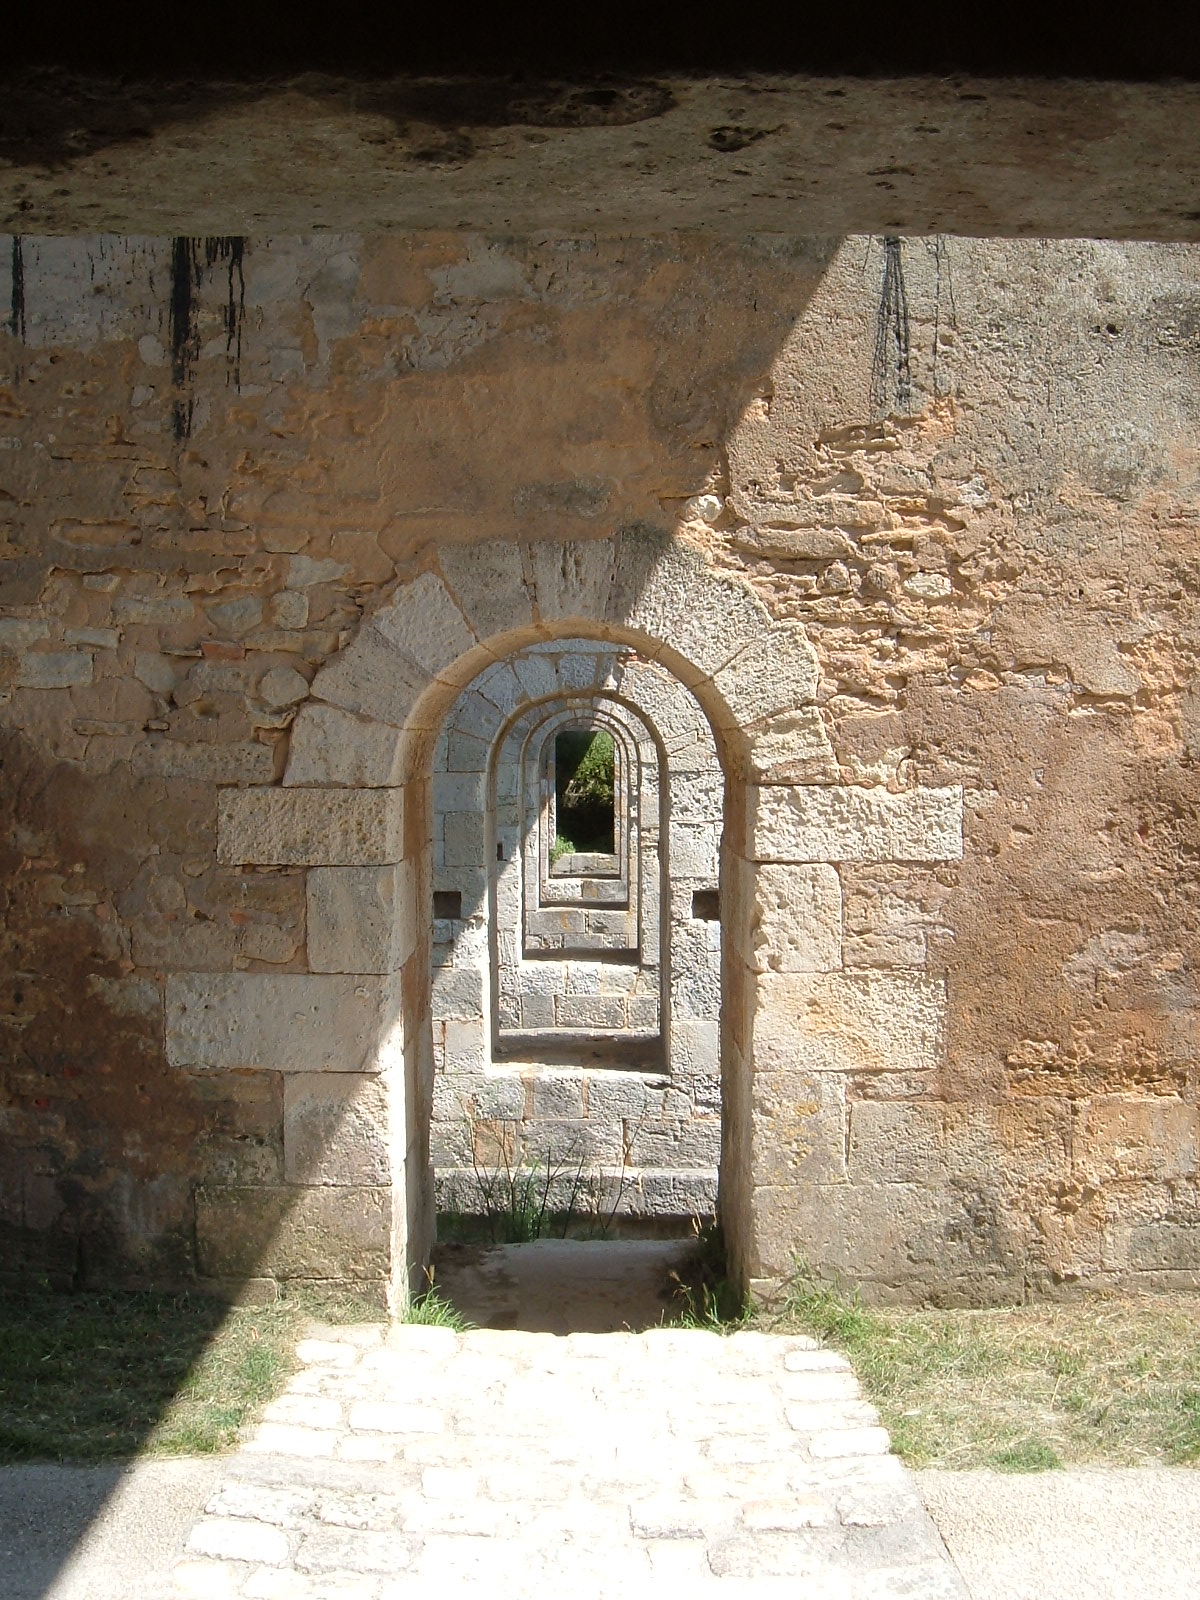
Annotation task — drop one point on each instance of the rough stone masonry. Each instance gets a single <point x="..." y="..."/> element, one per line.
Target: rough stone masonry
<point x="912" y="520"/>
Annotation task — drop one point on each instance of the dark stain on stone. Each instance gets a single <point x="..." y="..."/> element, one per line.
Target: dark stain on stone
<point x="16" y="321"/>
<point x="190" y="260"/>
<point x="891" y="369"/>
<point x="728" y="139"/>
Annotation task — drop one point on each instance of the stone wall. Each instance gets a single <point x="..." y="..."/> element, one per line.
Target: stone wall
<point x="914" y="519"/>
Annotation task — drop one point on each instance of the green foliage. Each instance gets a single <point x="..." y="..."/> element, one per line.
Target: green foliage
<point x="561" y="847"/>
<point x="702" y="1295"/>
<point x="429" y="1310"/>
<point x="1028" y="1455"/>
<point x="585" y="767"/>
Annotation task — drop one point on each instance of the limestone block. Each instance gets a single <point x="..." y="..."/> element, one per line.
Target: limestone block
<point x="501" y="686"/>
<point x="792" y="747"/>
<point x="282" y="1022"/>
<point x="693" y="851"/>
<point x="691" y="1142"/>
<point x="796" y="919"/>
<point x="465" y="843"/>
<point x="910" y="1239"/>
<point x="695" y="1048"/>
<point x="289" y="1231"/>
<point x="458" y="791"/>
<point x="848" y="1022"/>
<point x="244" y="762"/>
<point x="332" y="746"/>
<point x="54" y="669"/>
<point x="571" y="579"/>
<point x="423" y="621"/>
<point x="488" y="581"/>
<point x="360" y="919"/>
<point x="474" y="715"/>
<point x="335" y="1129"/>
<point x="18" y="632"/>
<point x="536" y="1011"/>
<point x="590" y="1011"/>
<point x="845" y="823"/>
<point x="310" y="827"/>
<point x="282" y="686"/>
<point x="799" y="1127"/>
<point x="775" y="671"/>
<point x="537" y="674"/>
<point x="1127" y="1136"/>
<point x="458" y="991"/>
<point x="697" y="797"/>
<point x="465" y="1045"/>
<point x="1165" y="1247"/>
<point x="666" y="590"/>
<point x="373" y="677"/>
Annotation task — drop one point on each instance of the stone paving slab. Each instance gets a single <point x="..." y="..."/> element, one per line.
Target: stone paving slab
<point x="411" y="1461"/>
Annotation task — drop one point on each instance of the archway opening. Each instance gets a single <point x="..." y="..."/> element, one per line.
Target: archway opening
<point x="575" y="991"/>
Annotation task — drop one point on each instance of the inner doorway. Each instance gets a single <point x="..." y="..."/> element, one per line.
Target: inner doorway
<point x="576" y="983"/>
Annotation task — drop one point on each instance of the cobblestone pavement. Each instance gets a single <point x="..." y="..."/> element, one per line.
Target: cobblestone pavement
<point x="412" y="1461"/>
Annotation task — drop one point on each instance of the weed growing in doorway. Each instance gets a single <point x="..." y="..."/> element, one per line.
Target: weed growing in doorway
<point x="701" y="1293"/>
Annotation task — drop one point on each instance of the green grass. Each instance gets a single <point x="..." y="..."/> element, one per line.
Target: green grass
<point x="1107" y="1379"/>
<point x="98" y="1376"/>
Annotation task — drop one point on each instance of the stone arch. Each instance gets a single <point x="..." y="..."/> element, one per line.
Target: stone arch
<point x="352" y="1035"/>
<point x="631" y="1082"/>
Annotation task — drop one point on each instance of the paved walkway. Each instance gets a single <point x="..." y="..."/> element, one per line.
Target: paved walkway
<point x="415" y="1461"/>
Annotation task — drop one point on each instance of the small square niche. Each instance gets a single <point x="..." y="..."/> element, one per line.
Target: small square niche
<point x="706" y="905"/>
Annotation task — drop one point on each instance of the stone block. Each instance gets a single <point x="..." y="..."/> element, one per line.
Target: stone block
<point x="288" y="1231"/>
<point x="589" y="1011"/>
<point x="374" y="678"/>
<point x="571" y="579"/>
<point x="422" y="620"/>
<point x="465" y="839"/>
<point x="776" y="671"/>
<point x="282" y="1022"/>
<point x="332" y="746"/>
<point x="458" y="991"/>
<point x="799" y="1123"/>
<point x="488" y="581"/>
<point x="697" y="797"/>
<point x="1126" y="1136"/>
<point x="695" y="1048"/>
<point x="845" y="823"/>
<point x="54" y="669"/>
<point x="795" y="922"/>
<point x="667" y="591"/>
<point x="459" y="791"/>
<point x="465" y="1044"/>
<point x="360" y="919"/>
<point x="335" y="1129"/>
<point x="848" y="1022"/>
<point x="792" y="747"/>
<point x="310" y="827"/>
<point x="1165" y="1247"/>
<point x="241" y="763"/>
